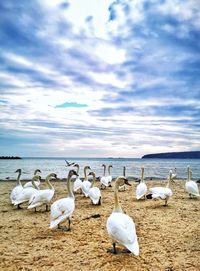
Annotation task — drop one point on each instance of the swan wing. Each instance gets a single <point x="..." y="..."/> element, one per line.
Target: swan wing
<point x="104" y="181"/>
<point x="40" y="197"/>
<point x="141" y="190"/>
<point x="121" y="229"/>
<point x="15" y="193"/>
<point x="192" y="188"/>
<point x="61" y="210"/>
<point x="161" y="192"/>
<point x="85" y="187"/>
<point x="77" y="184"/>
<point x="94" y="194"/>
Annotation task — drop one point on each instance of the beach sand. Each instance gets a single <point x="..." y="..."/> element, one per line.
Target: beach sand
<point x="169" y="237"/>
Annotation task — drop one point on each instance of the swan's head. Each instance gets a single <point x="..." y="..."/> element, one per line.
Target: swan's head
<point x="54" y="175"/>
<point x="18" y="170"/>
<point x="103" y="165"/>
<point x="92" y="174"/>
<point x="121" y="181"/>
<point x="87" y="167"/>
<point x="76" y="165"/>
<point x="72" y="173"/>
<point x="110" y="166"/>
<point x="37" y="171"/>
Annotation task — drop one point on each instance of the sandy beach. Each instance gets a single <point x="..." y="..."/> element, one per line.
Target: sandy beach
<point x="169" y="237"/>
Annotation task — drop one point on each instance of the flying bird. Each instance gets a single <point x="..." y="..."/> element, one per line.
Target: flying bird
<point x="69" y="164"/>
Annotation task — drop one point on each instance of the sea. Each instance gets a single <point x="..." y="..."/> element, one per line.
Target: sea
<point x="154" y="168"/>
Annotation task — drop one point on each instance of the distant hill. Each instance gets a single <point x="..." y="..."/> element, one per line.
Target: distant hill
<point x="10" y="157"/>
<point x="174" y="155"/>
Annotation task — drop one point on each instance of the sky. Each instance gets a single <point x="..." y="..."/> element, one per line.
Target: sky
<point x="99" y="78"/>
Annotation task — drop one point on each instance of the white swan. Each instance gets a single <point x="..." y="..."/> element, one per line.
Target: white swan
<point x="141" y="188"/>
<point x="94" y="192"/>
<point x="174" y="174"/>
<point x="26" y="193"/>
<point x="191" y="186"/>
<point x="163" y="193"/>
<point x="78" y="181"/>
<point x="120" y="226"/>
<point x="41" y="197"/>
<point x="17" y="189"/>
<point x="62" y="209"/>
<point x="86" y="184"/>
<point x="37" y="183"/>
<point x="104" y="181"/>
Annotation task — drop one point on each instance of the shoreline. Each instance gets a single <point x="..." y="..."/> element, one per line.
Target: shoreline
<point x="169" y="237"/>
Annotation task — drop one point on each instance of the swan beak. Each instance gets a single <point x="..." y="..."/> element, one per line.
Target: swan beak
<point x="126" y="182"/>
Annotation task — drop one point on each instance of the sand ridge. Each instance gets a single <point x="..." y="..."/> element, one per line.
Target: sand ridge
<point x="169" y="237"/>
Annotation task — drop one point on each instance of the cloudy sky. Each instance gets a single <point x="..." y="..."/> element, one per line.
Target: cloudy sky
<point x="99" y="78"/>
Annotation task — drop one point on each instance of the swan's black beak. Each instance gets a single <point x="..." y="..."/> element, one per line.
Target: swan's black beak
<point x="126" y="182"/>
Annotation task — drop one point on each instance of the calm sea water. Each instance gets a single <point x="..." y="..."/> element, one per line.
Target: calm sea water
<point x="154" y="168"/>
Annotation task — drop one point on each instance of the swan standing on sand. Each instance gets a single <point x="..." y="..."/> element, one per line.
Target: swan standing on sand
<point x="37" y="183"/>
<point x="78" y="182"/>
<point x="41" y="197"/>
<point x="141" y="188"/>
<point x="86" y="184"/>
<point x="62" y="209"/>
<point x="174" y="174"/>
<point x="104" y="180"/>
<point x="163" y="193"/>
<point x="26" y="193"/>
<point x="17" y="189"/>
<point x="94" y="192"/>
<point x="191" y="186"/>
<point x="120" y="226"/>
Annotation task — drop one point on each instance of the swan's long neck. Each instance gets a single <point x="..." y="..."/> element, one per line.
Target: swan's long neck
<point x="124" y="171"/>
<point x="142" y="175"/>
<point x="188" y="174"/>
<point x="77" y="169"/>
<point x="33" y="183"/>
<point x="169" y="180"/>
<point x="85" y="173"/>
<point x="18" y="178"/>
<point x="104" y="170"/>
<point x="117" y="207"/>
<point x="109" y="170"/>
<point x="69" y="187"/>
<point x="48" y="182"/>
<point x="93" y="180"/>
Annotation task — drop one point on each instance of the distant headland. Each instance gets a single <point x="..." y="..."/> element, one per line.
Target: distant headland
<point x="174" y="155"/>
<point x="10" y="157"/>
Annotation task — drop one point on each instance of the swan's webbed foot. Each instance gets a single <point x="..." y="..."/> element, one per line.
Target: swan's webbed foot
<point x="47" y="208"/>
<point x="35" y="210"/>
<point x="99" y="203"/>
<point x="126" y="251"/>
<point x="112" y="250"/>
<point x="165" y="205"/>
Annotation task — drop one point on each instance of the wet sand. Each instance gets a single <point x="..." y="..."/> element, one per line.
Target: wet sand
<point x="169" y="237"/>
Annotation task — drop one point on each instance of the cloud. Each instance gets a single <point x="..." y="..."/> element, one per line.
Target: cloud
<point x="120" y="77"/>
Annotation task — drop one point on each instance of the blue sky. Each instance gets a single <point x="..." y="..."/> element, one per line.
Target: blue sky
<point x="99" y="78"/>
